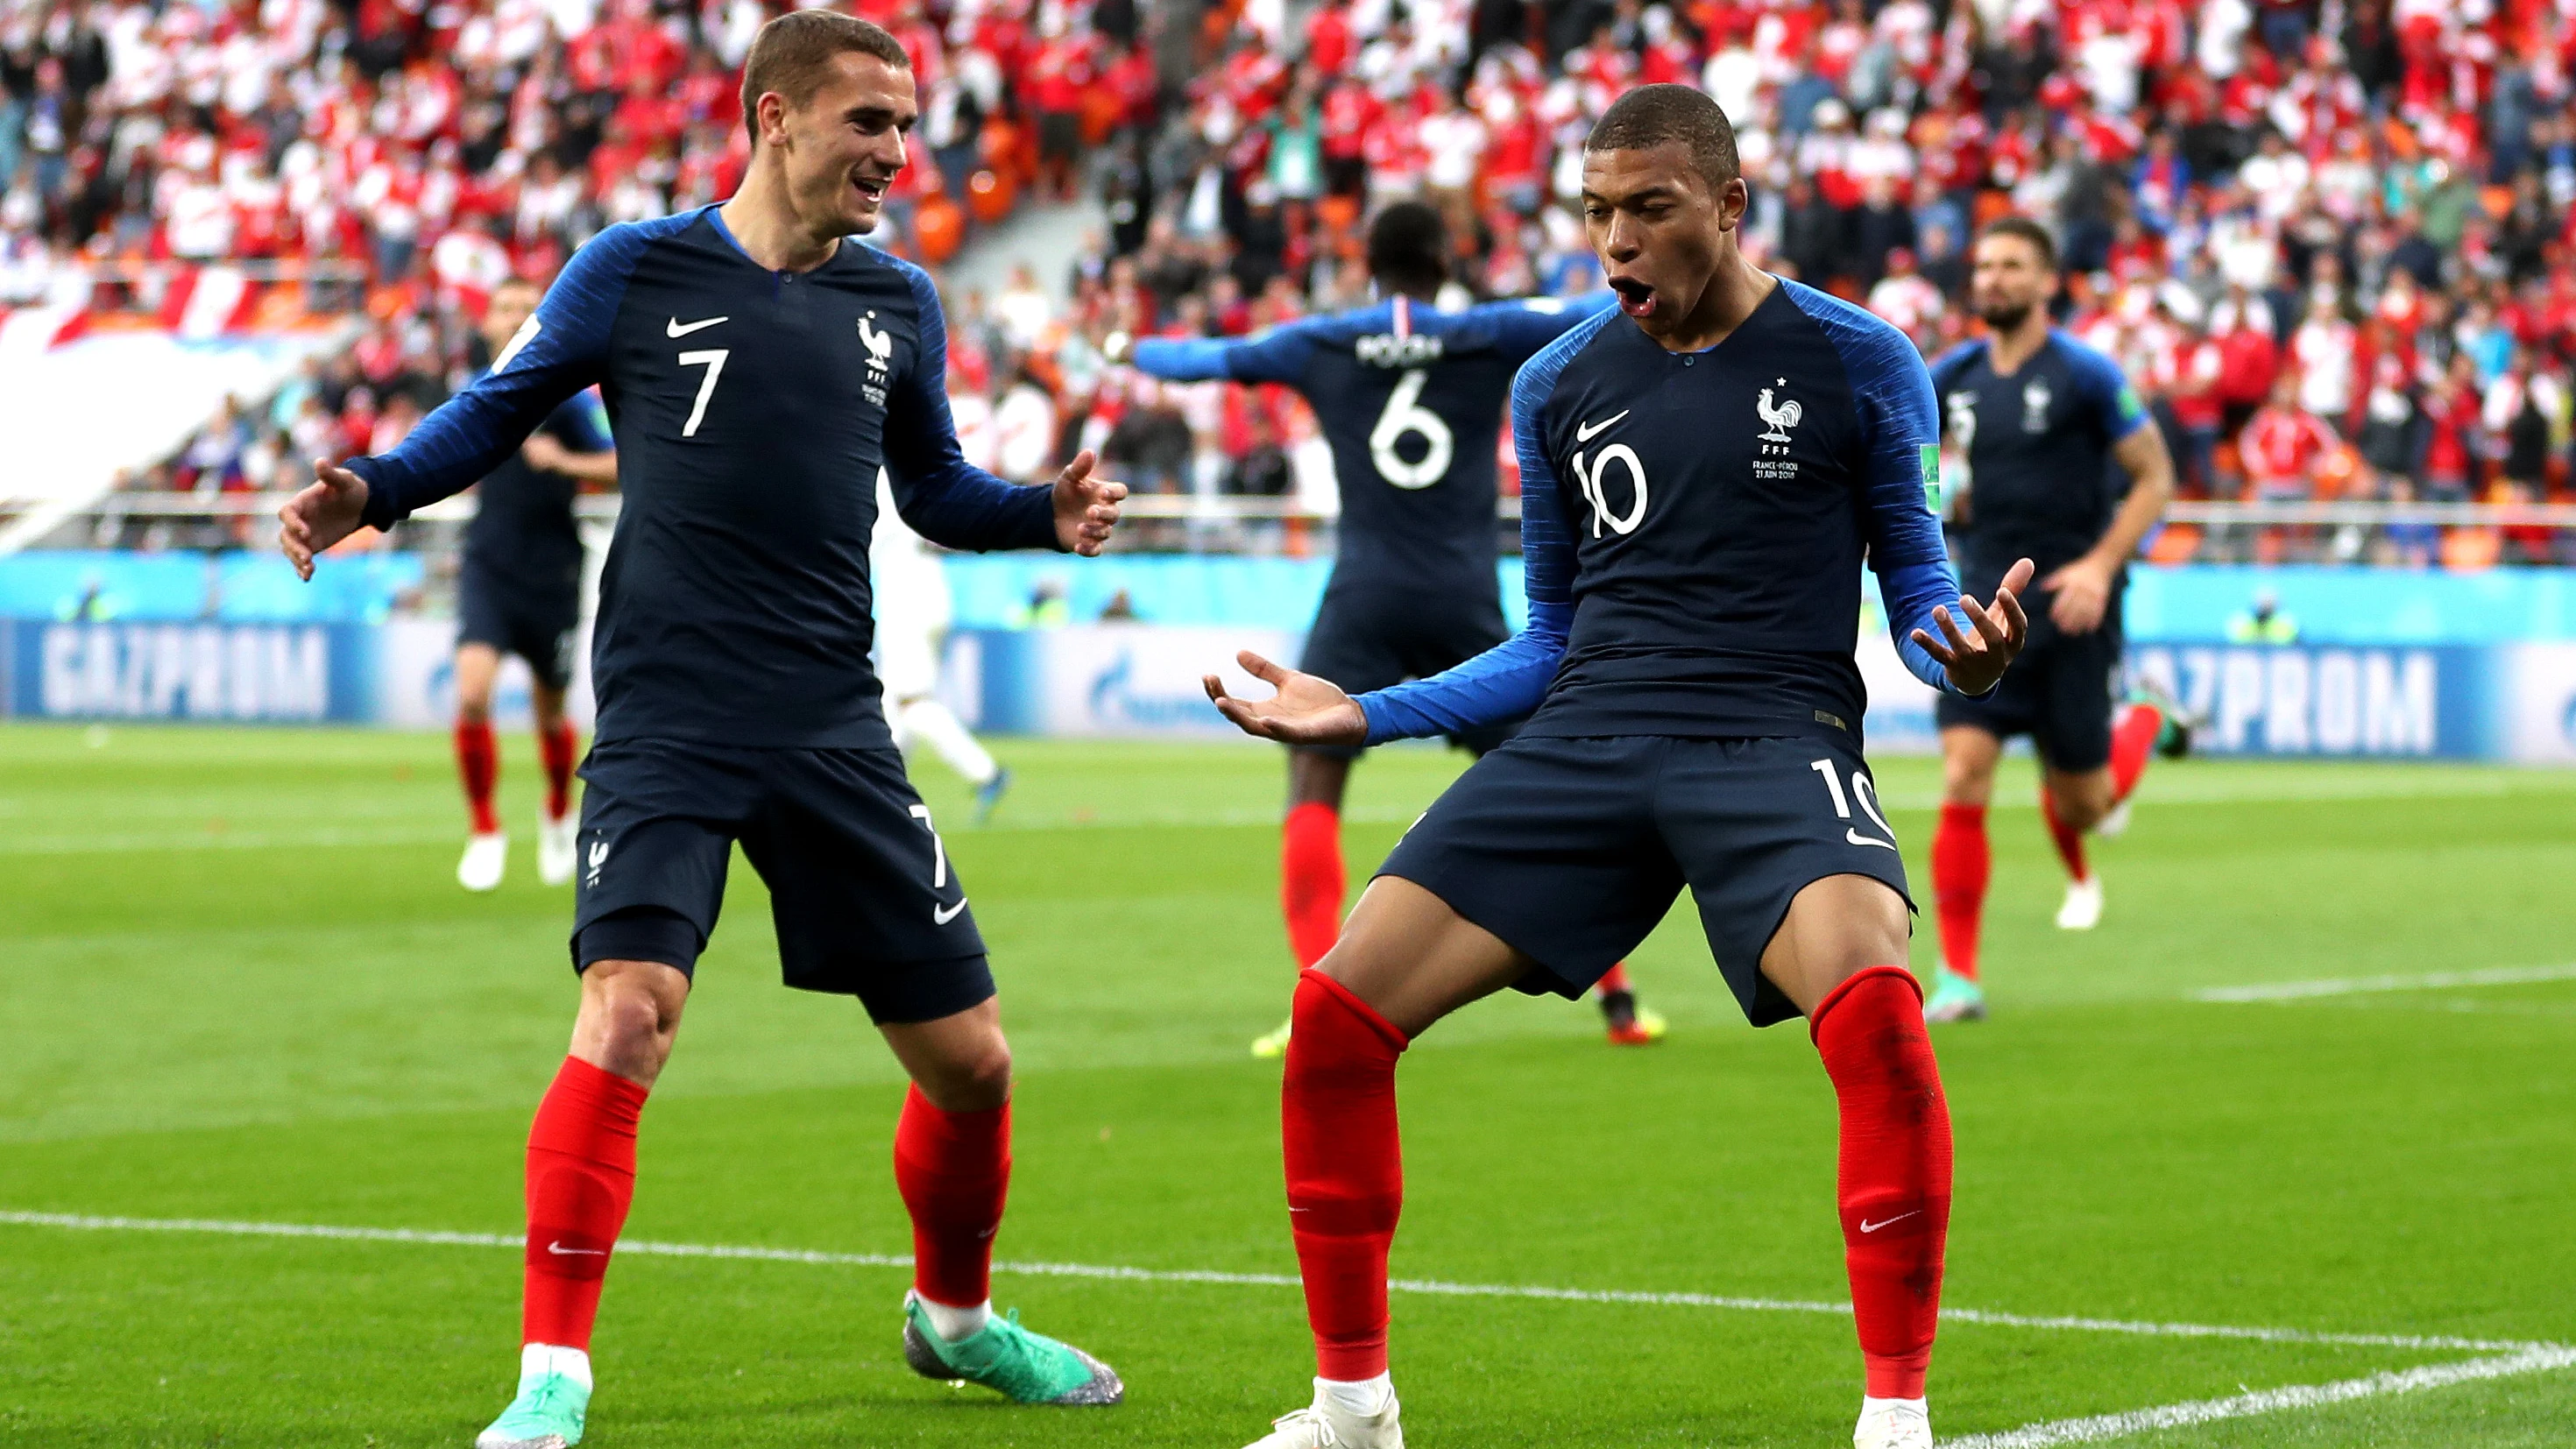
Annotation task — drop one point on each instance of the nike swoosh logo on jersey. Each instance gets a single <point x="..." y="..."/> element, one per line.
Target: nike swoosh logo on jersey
<point x="1585" y="432"/>
<point x="677" y="328"/>
<point x="942" y="915"/>
<point x="560" y="1251"/>
<point x="1867" y="1226"/>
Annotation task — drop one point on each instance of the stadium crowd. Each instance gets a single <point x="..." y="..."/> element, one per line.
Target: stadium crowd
<point x="2330" y="242"/>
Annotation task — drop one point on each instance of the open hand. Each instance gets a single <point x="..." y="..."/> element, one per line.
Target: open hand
<point x="1305" y="711"/>
<point x="2082" y="593"/>
<point x="326" y="512"/>
<point x="1976" y="659"/>
<point x="1086" y="508"/>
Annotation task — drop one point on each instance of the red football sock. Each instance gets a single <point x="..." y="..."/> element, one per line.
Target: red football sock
<point x="479" y="765"/>
<point x="2070" y="841"/>
<point x="581" y="1176"/>
<point x="557" y="747"/>
<point x="954" y="1170"/>
<point x="1311" y="880"/>
<point x="1893" y="1177"/>
<point x="2133" y="742"/>
<point x="1615" y="979"/>
<point x="1345" y="1170"/>
<point x="1961" y="864"/>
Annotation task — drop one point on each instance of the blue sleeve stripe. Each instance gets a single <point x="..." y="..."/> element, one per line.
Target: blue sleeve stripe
<point x="1509" y="680"/>
<point x="1901" y="437"/>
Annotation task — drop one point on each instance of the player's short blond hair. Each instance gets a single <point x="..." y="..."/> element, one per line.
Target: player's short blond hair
<point x="793" y="53"/>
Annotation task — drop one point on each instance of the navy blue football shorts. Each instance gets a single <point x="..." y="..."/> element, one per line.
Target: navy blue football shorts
<point x="2061" y="692"/>
<point x="538" y="626"/>
<point x="860" y="886"/>
<point x="1364" y="641"/>
<point x="1572" y="850"/>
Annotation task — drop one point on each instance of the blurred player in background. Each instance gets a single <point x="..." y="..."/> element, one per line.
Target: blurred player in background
<point x="765" y="367"/>
<point x="2039" y="418"/>
<point x="1702" y="474"/>
<point x="518" y="591"/>
<point x="1410" y="399"/>
<point x="913" y="612"/>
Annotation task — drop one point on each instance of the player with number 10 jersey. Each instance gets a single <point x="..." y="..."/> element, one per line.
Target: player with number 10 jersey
<point x="1411" y="399"/>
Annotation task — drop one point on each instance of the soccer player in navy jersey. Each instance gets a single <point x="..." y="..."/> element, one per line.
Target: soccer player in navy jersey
<point x="759" y="368"/>
<point x="1410" y="398"/>
<point x="1703" y="472"/>
<point x="2040" y="420"/>
<point x="518" y="591"/>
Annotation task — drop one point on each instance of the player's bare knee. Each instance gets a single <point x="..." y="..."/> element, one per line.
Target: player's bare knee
<point x="977" y="1079"/>
<point x="2081" y="800"/>
<point x="474" y="709"/>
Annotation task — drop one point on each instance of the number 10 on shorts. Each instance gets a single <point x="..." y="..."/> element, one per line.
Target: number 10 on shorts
<point x="1861" y="790"/>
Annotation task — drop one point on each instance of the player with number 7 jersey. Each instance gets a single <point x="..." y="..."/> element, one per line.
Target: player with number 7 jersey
<point x="760" y="365"/>
<point x="1410" y="399"/>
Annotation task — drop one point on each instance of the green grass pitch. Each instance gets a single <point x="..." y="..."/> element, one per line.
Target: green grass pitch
<point x="239" y="985"/>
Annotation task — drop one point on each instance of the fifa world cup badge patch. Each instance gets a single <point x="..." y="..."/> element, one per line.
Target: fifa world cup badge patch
<point x="1930" y="453"/>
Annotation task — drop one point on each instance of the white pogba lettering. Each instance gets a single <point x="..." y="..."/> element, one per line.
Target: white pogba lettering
<point x="1388" y="350"/>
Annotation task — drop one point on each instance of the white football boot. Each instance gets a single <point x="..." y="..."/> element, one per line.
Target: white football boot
<point x="1326" y="1425"/>
<point x="1893" y="1424"/>
<point x="2115" y="824"/>
<point x="2083" y="908"/>
<point x="487" y="857"/>
<point x="557" y="853"/>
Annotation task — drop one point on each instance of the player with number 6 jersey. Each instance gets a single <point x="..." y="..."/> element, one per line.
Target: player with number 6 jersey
<point x="1410" y="398"/>
<point x="1704" y="473"/>
<point x="759" y="366"/>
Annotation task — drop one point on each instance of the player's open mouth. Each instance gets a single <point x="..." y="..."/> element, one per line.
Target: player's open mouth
<point x="1635" y="298"/>
<point x="871" y="187"/>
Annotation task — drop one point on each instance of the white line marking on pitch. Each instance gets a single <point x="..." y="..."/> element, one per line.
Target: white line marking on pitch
<point x="2360" y="985"/>
<point x="2539" y="1358"/>
<point x="648" y="1248"/>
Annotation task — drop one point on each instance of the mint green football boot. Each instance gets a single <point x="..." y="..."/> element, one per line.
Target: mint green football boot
<point x="1030" y="1368"/>
<point x="1954" y="998"/>
<point x="547" y="1414"/>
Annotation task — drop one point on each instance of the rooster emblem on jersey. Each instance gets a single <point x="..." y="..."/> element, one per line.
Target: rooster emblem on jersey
<point x="1782" y="416"/>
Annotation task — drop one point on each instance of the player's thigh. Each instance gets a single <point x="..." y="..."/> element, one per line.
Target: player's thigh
<point x="1968" y="757"/>
<point x="1414" y="959"/>
<point x="477" y="665"/>
<point x="1836" y="927"/>
<point x="861" y="889"/>
<point x="1550" y="846"/>
<point x="1754" y="823"/>
<point x="658" y="822"/>
<point x="2074" y="731"/>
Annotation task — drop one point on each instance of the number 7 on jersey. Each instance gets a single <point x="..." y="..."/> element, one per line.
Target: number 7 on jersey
<point x="713" y="360"/>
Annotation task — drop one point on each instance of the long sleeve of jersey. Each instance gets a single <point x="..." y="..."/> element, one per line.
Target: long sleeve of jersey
<point x="942" y="496"/>
<point x="1278" y="355"/>
<point x="1902" y="424"/>
<point x="1507" y="681"/>
<point x="561" y="349"/>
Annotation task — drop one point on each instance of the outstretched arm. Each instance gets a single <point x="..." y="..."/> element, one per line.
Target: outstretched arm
<point x="562" y="348"/>
<point x="1278" y="355"/>
<point x="952" y="502"/>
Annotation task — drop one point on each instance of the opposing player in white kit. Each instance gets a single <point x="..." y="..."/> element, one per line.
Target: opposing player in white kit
<point x="913" y="614"/>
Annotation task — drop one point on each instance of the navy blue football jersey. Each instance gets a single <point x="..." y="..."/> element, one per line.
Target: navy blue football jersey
<point x="1695" y="524"/>
<point x="752" y="410"/>
<point x="2041" y="483"/>
<point x="524" y="537"/>
<point x="1411" y="399"/>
